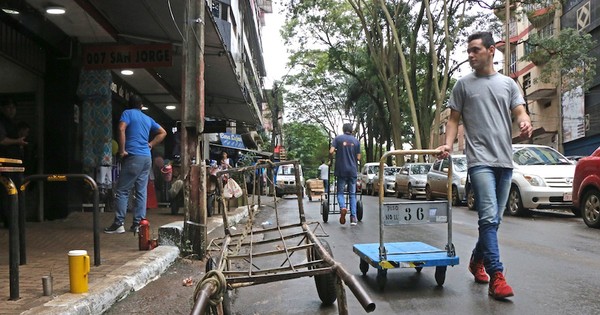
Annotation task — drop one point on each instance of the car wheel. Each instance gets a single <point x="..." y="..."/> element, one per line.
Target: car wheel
<point x="398" y="192"/>
<point x="373" y="192"/>
<point x="591" y="209"/>
<point x="470" y="199"/>
<point x="411" y="193"/>
<point x="515" y="204"/>
<point x="455" y="197"/>
<point x="428" y="194"/>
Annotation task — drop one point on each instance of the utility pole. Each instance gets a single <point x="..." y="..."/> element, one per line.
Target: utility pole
<point x="192" y="122"/>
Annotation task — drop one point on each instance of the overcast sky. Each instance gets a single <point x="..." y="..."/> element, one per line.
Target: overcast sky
<point x="274" y="52"/>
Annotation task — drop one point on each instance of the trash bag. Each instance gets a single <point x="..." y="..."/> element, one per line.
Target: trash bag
<point x="232" y="189"/>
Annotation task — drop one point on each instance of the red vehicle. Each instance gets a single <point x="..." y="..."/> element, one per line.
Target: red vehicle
<point x="586" y="189"/>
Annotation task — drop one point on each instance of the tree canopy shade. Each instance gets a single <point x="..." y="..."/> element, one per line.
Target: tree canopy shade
<point x="307" y="143"/>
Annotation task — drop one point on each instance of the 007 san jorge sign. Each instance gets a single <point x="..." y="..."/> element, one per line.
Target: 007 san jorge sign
<point x="127" y="56"/>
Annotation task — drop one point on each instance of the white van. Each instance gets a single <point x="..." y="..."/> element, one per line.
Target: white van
<point x="286" y="180"/>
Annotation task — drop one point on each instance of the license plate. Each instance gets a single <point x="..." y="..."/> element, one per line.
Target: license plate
<point x="567" y="197"/>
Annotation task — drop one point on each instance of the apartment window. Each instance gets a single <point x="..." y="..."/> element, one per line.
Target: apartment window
<point x="526" y="81"/>
<point x="547" y="31"/>
<point x="513" y="60"/>
<point x="219" y="10"/>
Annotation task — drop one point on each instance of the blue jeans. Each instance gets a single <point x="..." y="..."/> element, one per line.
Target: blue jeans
<point x="134" y="174"/>
<point x="326" y="185"/>
<point x="341" y="184"/>
<point x="491" y="186"/>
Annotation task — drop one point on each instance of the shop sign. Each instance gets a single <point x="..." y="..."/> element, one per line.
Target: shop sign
<point x="232" y="140"/>
<point x="127" y="56"/>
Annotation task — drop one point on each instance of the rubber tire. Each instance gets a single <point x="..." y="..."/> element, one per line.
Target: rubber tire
<point x="210" y="205"/>
<point x="514" y="204"/>
<point x="381" y="278"/>
<point x="410" y="194"/>
<point x="440" y="275"/>
<point x="428" y="194"/>
<point x="325" y="211"/>
<point x="455" y="198"/>
<point x="326" y="283"/>
<point x="363" y="266"/>
<point x="398" y="192"/>
<point x="591" y="208"/>
<point x="359" y="210"/>
<point x="227" y="308"/>
<point x="470" y="199"/>
<point x="418" y="269"/>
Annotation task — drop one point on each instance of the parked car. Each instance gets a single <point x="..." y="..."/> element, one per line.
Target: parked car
<point x="542" y="179"/>
<point x="586" y="189"/>
<point x="366" y="176"/>
<point x="286" y="180"/>
<point x="437" y="179"/>
<point x="411" y="180"/>
<point x="389" y="180"/>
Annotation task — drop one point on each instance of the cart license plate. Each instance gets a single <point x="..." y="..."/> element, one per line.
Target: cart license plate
<point x="567" y="196"/>
<point x="415" y="213"/>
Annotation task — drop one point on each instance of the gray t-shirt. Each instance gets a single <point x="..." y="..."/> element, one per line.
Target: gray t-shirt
<point x="485" y="103"/>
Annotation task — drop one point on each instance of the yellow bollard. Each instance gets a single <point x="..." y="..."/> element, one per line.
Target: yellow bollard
<point x="79" y="268"/>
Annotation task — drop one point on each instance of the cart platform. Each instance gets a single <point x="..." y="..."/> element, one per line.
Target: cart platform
<point x="404" y="255"/>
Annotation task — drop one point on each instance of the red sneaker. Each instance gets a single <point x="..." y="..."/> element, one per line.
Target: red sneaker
<point x="499" y="289"/>
<point x="343" y="215"/>
<point x="478" y="271"/>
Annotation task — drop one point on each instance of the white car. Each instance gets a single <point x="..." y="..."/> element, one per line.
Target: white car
<point x="366" y="177"/>
<point x="411" y="180"/>
<point x="286" y="180"/>
<point x="542" y="179"/>
<point x="389" y="180"/>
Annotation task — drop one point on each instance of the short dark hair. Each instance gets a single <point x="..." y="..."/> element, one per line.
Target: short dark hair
<point x="135" y="101"/>
<point x="7" y="102"/>
<point x="347" y="128"/>
<point x="486" y="38"/>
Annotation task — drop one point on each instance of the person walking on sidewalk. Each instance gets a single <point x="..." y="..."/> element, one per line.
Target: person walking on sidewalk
<point x="486" y="100"/>
<point x="347" y="155"/>
<point x="135" y="128"/>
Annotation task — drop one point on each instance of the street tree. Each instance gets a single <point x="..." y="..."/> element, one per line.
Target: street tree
<point x="307" y="143"/>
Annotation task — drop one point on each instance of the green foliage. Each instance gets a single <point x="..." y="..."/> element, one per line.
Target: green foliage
<point x="307" y="143"/>
<point x="568" y="54"/>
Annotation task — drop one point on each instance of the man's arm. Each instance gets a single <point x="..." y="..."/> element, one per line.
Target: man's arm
<point x="158" y="138"/>
<point x="523" y="120"/>
<point x="121" y="139"/>
<point x="451" y="132"/>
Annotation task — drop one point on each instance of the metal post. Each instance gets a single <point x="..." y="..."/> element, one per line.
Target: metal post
<point x="13" y="236"/>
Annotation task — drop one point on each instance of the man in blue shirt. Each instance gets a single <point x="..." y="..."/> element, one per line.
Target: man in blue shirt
<point x="135" y="128"/>
<point x="347" y="155"/>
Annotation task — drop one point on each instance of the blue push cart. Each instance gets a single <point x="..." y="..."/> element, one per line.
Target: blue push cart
<point x="413" y="254"/>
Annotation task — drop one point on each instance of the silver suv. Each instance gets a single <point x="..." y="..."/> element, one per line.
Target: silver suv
<point x="437" y="179"/>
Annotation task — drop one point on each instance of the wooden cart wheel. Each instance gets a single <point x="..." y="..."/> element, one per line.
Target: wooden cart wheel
<point x="364" y="267"/>
<point x="325" y="210"/>
<point x="359" y="210"/>
<point x="440" y="275"/>
<point x="418" y="269"/>
<point x="381" y="278"/>
<point x="326" y="283"/>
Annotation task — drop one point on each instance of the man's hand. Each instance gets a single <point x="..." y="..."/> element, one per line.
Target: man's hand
<point x="526" y="129"/>
<point x="123" y="154"/>
<point x="446" y="150"/>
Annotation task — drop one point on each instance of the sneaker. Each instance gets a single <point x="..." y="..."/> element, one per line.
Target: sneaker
<point x="343" y="215"/>
<point x="135" y="228"/>
<point x="499" y="289"/>
<point x="478" y="271"/>
<point x="115" y="228"/>
<point x="353" y="220"/>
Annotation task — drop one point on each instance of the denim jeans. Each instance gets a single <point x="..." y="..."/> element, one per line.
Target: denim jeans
<point x="491" y="186"/>
<point x="341" y="185"/>
<point x="134" y="174"/>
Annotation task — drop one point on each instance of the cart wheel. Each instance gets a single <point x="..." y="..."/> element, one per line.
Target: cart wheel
<point x="326" y="283"/>
<point x="364" y="267"/>
<point x="210" y="205"/>
<point x="418" y="269"/>
<point x="381" y="278"/>
<point x="325" y="211"/>
<point x="440" y="275"/>
<point x="210" y="265"/>
<point x="359" y="210"/>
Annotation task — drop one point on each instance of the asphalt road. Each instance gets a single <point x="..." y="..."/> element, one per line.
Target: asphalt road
<point x="551" y="259"/>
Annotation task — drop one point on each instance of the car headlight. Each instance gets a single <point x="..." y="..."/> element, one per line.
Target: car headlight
<point x="534" y="180"/>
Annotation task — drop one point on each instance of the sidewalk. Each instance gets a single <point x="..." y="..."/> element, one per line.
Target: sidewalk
<point x="123" y="267"/>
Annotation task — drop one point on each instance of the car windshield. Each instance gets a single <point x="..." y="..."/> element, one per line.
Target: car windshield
<point x="420" y="169"/>
<point x="538" y="156"/>
<point x="460" y="164"/>
<point x="285" y="170"/>
<point x="391" y="170"/>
